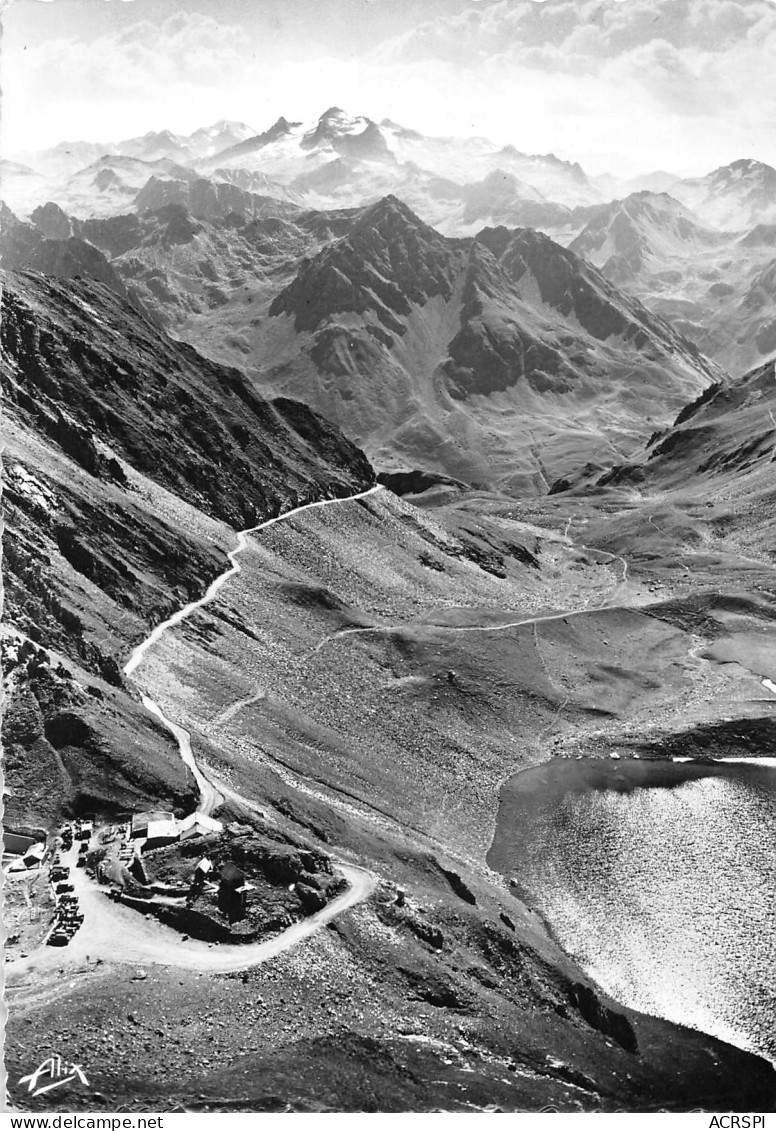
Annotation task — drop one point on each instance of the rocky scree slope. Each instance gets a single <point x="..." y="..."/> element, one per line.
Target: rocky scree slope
<point x="129" y="461"/>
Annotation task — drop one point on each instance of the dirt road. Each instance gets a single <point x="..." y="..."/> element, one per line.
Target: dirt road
<point x="242" y="543"/>
<point x="112" y="932"/>
<point x="210" y="797"/>
<point x="115" y="933"/>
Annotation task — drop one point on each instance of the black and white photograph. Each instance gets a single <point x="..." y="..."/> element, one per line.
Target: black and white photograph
<point x="389" y="557"/>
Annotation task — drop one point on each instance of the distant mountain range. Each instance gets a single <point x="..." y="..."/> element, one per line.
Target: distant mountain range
<point x="356" y="158"/>
<point x="695" y="250"/>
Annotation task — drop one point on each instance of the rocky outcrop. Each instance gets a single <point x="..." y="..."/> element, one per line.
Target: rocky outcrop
<point x="607" y="1021"/>
<point x="415" y="482"/>
<point x="210" y="200"/>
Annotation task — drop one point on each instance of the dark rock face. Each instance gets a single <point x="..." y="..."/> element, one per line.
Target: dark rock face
<point x="136" y="389"/>
<point x="388" y="261"/>
<point x="458" y="885"/>
<point x="415" y="482"/>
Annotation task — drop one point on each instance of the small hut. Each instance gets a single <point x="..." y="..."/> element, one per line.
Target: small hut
<point x="199" y="824"/>
<point x="33" y="857"/>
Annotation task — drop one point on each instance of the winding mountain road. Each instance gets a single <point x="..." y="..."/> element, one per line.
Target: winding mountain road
<point x="112" y="932"/>
<point x="242" y="544"/>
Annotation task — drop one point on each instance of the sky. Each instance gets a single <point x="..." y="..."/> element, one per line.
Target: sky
<point x="625" y="86"/>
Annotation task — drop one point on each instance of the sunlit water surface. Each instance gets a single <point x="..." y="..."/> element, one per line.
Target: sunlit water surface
<point x="665" y="893"/>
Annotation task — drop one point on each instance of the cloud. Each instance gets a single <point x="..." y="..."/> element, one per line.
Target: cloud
<point x="584" y="32"/>
<point x="185" y="48"/>
<point x="667" y="82"/>
<point x="73" y="86"/>
<point x="674" y="69"/>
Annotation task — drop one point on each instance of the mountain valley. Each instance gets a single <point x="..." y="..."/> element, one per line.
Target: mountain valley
<point x="406" y="506"/>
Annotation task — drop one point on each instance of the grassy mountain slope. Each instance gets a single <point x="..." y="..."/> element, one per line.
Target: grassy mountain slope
<point x="128" y="458"/>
